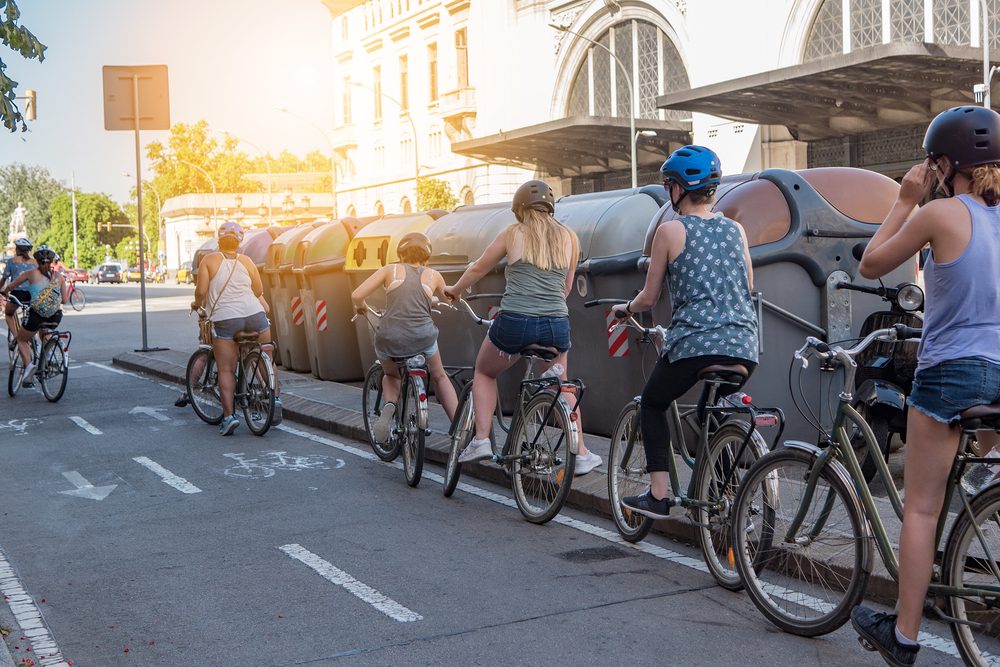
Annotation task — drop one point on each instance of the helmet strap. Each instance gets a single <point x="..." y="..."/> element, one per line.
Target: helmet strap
<point x="677" y="204"/>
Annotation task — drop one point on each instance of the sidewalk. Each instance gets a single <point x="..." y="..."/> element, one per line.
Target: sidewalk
<point x="336" y="408"/>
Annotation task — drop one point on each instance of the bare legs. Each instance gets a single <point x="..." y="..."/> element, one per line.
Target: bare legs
<point x="225" y="360"/>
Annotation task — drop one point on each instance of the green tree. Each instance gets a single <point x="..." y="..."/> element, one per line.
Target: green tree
<point x="35" y="188"/>
<point x="19" y="39"/>
<point x="435" y="193"/>
<point x="93" y="212"/>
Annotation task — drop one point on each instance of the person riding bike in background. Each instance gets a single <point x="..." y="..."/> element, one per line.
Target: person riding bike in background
<point x="541" y="262"/>
<point x="706" y="259"/>
<point x="406" y="328"/>
<point x="47" y="292"/>
<point x="230" y="290"/>
<point x="21" y="261"/>
<point x="958" y="361"/>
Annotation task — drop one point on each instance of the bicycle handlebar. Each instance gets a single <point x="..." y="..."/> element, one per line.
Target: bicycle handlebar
<point x="817" y="348"/>
<point x="604" y="302"/>
<point x="471" y="313"/>
<point x="17" y="302"/>
<point x="370" y="311"/>
<point x="484" y="295"/>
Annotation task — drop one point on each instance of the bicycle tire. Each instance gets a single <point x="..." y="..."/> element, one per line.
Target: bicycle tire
<point x="714" y="533"/>
<point x="14" y="376"/>
<point x="53" y="370"/>
<point x="775" y="571"/>
<point x="627" y="474"/>
<point x="11" y="346"/>
<point x="411" y="433"/>
<point x="77" y="299"/>
<point x="258" y="391"/>
<point x="203" y="389"/>
<point x="462" y="431"/>
<point x="371" y="408"/>
<point x="968" y="561"/>
<point x="548" y="476"/>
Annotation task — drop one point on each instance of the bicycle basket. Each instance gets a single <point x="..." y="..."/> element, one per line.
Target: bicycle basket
<point x="205" y="331"/>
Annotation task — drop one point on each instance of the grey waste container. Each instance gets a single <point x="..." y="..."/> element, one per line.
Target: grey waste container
<point x="206" y="248"/>
<point x="331" y="338"/>
<point x="255" y="245"/>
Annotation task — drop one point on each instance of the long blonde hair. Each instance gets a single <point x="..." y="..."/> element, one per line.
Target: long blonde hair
<point x="545" y="240"/>
<point x="986" y="183"/>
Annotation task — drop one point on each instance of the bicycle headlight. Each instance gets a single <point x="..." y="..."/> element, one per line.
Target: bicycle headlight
<point x="909" y="297"/>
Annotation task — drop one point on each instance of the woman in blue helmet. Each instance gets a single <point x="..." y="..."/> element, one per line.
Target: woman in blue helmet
<point x="706" y="258"/>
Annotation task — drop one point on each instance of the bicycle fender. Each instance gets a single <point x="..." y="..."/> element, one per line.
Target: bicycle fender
<point x="421" y="404"/>
<point x="881" y="393"/>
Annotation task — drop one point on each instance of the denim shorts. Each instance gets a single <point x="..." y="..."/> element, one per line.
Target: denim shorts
<point x="428" y="353"/>
<point x="226" y="329"/>
<point x="512" y="332"/>
<point x="944" y="391"/>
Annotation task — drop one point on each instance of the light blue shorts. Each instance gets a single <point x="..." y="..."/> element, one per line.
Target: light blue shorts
<point x="226" y="329"/>
<point x="428" y="353"/>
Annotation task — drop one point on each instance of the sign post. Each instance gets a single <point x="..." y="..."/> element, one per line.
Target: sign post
<point x="137" y="98"/>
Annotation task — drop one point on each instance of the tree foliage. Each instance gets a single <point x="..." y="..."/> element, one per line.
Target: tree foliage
<point x="435" y="193"/>
<point x="35" y="187"/>
<point x="19" y="39"/>
<point x="93" y="211"/>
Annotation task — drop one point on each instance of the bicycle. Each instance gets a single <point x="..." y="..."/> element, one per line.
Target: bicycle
<point x="821" y="522"/>
<point x="77" y="297"/>
<point x="539" y="452"/>
<point x="255" y="383"/>
<point x="50" y="356"/>
<point x="726" y="448"/>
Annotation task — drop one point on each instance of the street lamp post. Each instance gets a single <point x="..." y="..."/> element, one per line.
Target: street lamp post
<point x="267" y="164"/>
<point x="982" y="90"/>
<point x="413" y="127"/>
<point x="631" y="90"/>
<point x="215" y="210"/>
<point x="333" y="156"/>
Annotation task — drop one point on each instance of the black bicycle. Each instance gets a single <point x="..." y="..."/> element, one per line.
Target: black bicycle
<point x="50" y="356"/>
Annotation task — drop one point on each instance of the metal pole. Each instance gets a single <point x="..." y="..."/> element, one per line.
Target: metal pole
<point x="138" y="200"/>
<point x="73" y="197"/>
<point x="985" y="36"/>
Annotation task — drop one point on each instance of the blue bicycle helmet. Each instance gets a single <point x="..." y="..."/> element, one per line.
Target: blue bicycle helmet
<point x="693" y="168"/>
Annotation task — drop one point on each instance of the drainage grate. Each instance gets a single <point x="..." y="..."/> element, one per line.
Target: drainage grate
<point x="595" y="555"/>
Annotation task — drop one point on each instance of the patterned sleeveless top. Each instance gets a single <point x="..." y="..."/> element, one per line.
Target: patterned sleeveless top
<point x="712" y="309"/>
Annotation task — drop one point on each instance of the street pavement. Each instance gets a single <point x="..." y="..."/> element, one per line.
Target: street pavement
<point x="134" y="534"/>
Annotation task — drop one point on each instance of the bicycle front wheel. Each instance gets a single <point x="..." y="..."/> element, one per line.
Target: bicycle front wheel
<point x="972" y="561"/>
<point x="14" y="375"/>
<point x="462" y="431"/>
<point x="202" y="382"/>
<point x="718" y="477"/>
<point x="54" y="371"/>
<point x="77" y="299"/>
<point x="258" y="391"/>
<point x="411" y="432"/>
<point x="627" y="474"/>
<point x="542" y="464"/>
<point x="805" y="583"/>
<point x="371" y="407"/>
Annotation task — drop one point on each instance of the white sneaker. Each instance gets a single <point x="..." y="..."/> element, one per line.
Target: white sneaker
<point x="586" y="462"/>
<point x="27" y="376"/>
<point x="380" y="429"/>
<point x="476" y="451"/>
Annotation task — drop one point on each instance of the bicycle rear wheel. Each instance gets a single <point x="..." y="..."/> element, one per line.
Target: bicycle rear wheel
<point x="202" y="382"/>
<point x="14" y="375"/>
<point x="54" y="371"/>
<point x="411" y="433"/>
<point x="542" y="470"/>
<point x="11" y="346"/>
<point x="972" y="559"/>
<point x="462" y="431"/>
<point x="77" y="299"/>
<point x="806" y="584"/>
<point x="258" y="391"/>
<point x="627" y="474"/>
<point x="371" y="407"/>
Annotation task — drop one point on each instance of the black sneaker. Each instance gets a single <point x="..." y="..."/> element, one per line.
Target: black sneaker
<point x="182" y="401"/>
<point x="647" y="505"/>
<point x="877" y="632"/>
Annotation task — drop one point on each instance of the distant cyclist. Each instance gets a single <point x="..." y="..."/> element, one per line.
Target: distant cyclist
<point x="958" y="361"/>
<point x="21" y="261"/>
<point x="706" y="259"/>
<point x="406" y="328"/>
<point x="541" y="262"/>
<point x="47" y="292"/>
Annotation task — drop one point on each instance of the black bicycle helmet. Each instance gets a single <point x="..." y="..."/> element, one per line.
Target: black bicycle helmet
<point x="23" y="244"/>
<point x="535" y="194"/>
<point x="44" y="254"/>
<point x="968" y="135"/>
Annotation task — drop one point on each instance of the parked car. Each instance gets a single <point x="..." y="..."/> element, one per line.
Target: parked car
<point x="77" y="274"/>
<point x="184" y="274"/>
<point x="132" y="275"/>
<point x="110" y="273"/>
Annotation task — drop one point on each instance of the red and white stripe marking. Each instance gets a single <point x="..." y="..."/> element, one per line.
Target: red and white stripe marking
<point x="492" y="312"/>
<point x="617" y="337"/>
<point x="298" y="317"/>
<point x="321" y="323"/>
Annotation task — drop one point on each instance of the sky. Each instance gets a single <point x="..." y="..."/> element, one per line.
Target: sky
<point x="230" y="62"/>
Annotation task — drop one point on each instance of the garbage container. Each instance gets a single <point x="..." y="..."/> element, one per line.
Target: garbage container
<point x="372" y="248"/>
<point x="325" y="289"/>
<point x="206" y="248"/>
<point x="286" y="305"/>
<point x="255" y="245"/>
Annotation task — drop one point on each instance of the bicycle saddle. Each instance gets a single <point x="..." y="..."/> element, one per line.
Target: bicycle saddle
<point x="981" y="417"/>
<point x="540" y="352"/>
<point x="733" y="374"/>
<point x="246" y="337"/>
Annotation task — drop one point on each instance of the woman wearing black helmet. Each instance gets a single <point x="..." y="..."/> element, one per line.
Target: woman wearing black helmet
<point x="706" y="258"/>
<point x="958" y="361"/>
<point x="21" y="261"/>
<point x="541" y="261"/>
<point x="47" y="293"/>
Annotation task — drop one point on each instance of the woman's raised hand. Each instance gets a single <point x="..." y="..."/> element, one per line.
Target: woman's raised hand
<point x="916" y="185"/>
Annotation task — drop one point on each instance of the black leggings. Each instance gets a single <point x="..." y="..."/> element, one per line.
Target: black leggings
<point x="668" y="383"/>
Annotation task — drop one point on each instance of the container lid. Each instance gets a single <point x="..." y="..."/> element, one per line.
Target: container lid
<point x="375" y="244"/>
<point x="282" y="249"/>
<point x="209" y="246"/>
<point x="608" y="223"/>
<point x="255" y="244"/>
<point x="326" y="242"/>
<point x="461" y="236"/>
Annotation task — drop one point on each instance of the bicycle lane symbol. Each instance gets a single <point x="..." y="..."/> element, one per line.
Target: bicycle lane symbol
<point x="265" y="464"/>
<point x="19" y="426"/>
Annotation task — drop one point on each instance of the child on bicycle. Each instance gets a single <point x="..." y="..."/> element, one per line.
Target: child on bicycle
<point x="541" y="262"/>
<point x="958" y="361"/>
<point x="406" y="329"/>
<point x="706" y="259"/>
<point x="21" y="261"/>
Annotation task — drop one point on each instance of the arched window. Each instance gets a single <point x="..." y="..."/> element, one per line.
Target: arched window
<point x="405" y="206"/>
<point x="352" y="212"/>
<point x="379" y="209"/>
<point x="468" y="198"/>
<point x="591" y="93"/>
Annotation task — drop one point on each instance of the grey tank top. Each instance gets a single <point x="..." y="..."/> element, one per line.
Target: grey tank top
<point x="534" y="292"/>
<point x="962" y="309"/>
<point x="713" y="312"/>
<point x="406" y="327"/>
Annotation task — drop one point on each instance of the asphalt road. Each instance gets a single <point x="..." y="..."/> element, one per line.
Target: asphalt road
<point x="175" y="546"/>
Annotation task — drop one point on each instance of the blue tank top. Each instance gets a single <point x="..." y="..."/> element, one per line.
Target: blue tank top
<point x="962" y="309"/>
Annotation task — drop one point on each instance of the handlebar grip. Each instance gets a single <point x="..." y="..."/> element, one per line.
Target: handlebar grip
<point x="858" y="250"/>
<point x="485" y="295"/>
<point x="604" y="302"/>
<point x="904" y="332"/>
<point x="822" y="347"/>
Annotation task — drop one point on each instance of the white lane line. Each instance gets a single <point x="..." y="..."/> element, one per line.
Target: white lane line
<point x="112" y="369"/>
<point x="362" y="591"/>
<point x="28" y="616"/>
<point x="168" y="477"/>
<point x="86" y="426"/>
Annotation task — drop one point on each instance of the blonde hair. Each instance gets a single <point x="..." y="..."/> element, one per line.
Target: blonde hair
<point x="545" y="240"/>
<point x="986" y="183"/>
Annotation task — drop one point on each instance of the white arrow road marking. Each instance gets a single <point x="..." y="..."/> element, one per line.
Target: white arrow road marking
<point x="86" y="426"/>
<point x="29" y="617"/>
<point x="152" y="412"/>
<point x="85" y="489"/>
<point x="168" y="477"/>
<point x="384" y="604"/>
